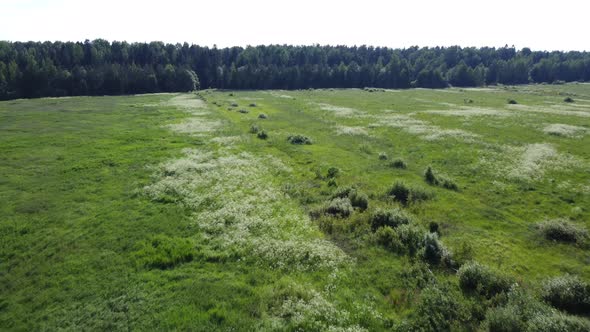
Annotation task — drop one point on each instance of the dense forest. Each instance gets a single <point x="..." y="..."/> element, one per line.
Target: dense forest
<point x="35" y="69"/>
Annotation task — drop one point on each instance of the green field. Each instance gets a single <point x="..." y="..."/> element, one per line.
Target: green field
<point x="170" y="212"/>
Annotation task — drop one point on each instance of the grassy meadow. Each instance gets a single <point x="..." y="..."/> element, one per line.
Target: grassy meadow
<point x="268" y="210"/>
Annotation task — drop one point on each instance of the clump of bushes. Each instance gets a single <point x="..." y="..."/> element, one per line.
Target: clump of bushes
<point x="512" y="102"/>
<point x="480" y="279"/>
<point x="568" y="100"/>
<point x="408" y="195"/>
<point x="391" y="218"/>
<point x="439" y="309"/>
<point x="357" y="199"/>
<point x="252" y="105"/>
<point x="382" y="156"/>
<point x="439" y="180"/>
<point x="299" y="139"/>
<point x="262" y="116"/>
<point x="339" y="207"/>
<point x="562" y="230"/>
<point x="568" y="293"/>
<point x="262" y="134"/>
<point x="244" y="111"/>
<point x="398" y="163"/>
<point x="405" y="239"/>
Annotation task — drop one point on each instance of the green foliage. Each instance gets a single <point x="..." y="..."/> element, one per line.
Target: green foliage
<point x="568" y="100"/>
<point x="333" y="172"/>
<point x="359" y="200"/>
<point x="339" y="207"/>
<point x="512" y="102"/>
<point x="558" y="322"/>
<point x="262" y="134"/>
<point x="408" y="195"/>
<point x="430" y="177"/>
<point x="382" y="156"/>
<point x="434" y="251"/>
<point x="254" y="129"/>
<point x="480" y="279"/>
<point x="244" y="111"/>
<point x="262" y="116"/>
<point x="392" y="218"/>
<point x="568" y="293"/>
<point x="562" y="230"/>
<point x="439" y="180"/>
<point x="299" y="139"/>
<point x="252" y="105"/>
<point x="398" y="163"/>
<point x="439" y="309"/>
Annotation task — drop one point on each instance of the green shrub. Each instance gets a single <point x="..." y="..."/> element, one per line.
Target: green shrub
<point x="568" y="100"/>
<point x="164" y="252"/>
<point x="562" y="230"/>
<point x="409" y="239"/>
<point x="568" y="293"/>
<point x="406" y="195"/>
<point x="398" y="163"/>
<point x="252" y="105"/>
<point x="244" y="111"/>
<point x="254" y="129"/>
<point x="359" y="200"/>
<point x="382" y="156"/>
<point x="514" y="315"/>
<point x="385" y="236"/>
<point x="343" y="192"/>
<point x="299" y="139"/>
<point x="434" y="251"/>
<point x="333" y="172"/>
<point x="339" y="207"/>
<point x="392" y="218"/>
<point x="512" y="102"/>
<point x="262" y="134"/>
<point x="558" y="322"/>
<point x="234" y="104"/>
<point x="447" y="183"/>
<point x="430" y="177"/>
<point x="439" y="309"/>
<point x="332" y="183"/>
<point x="262" y="116"/>
<point x="480" y="279"/>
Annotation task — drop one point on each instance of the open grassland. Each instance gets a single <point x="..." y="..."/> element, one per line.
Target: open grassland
<point x="277" y="210"/>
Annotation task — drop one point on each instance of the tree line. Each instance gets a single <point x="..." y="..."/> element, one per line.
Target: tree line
<point x="99" y="67"/>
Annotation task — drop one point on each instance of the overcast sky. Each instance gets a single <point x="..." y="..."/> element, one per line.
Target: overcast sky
<point x="540" y="25"/>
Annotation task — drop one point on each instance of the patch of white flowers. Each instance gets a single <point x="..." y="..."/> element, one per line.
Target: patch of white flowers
<point x="565" y="130"/>
<point x="529" y="162"/>
<point x="422" y="128"/>
<point x="240" y="210"/>
<point x="472" y="112"/>
<point x="352" y="131"/>
<point x="554" y="110"/>
<point x="346" y="112"/>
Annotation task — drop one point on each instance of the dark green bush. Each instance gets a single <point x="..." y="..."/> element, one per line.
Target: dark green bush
<point x="434" y="251"/>
<point x="262" y="134"/>
<point x="359" y="200"/>
<point x="514" y="316"/>
<point x="568" y="100"/>
<point x="568" y="293"/>
<point x="480" y="279"/>
<point x="439" y="309"/>
<point x="392" y="218"/>
<point x="343" y="192"/>
<point x="447" y="183"/>
<point x="333" y="172"/>
<point x="244" y="111"/>
<point x="430" y="177"/>
<point x="234" y="104"/>
<point x="262" y="116"/>
<point x="382" y="156"/>
<point x="512" y="102"/>
<point x="409" y="239"/>
<point x="252" y="105"/>
<point x="299" y="139"/>
<point x="407" y="195"/>
<point x="398" y="163"/>
<point x="385" y="236"/>
<point x="562" y="230"/>
<point x="254" y="129"/>
<point x="339" y="207"/>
